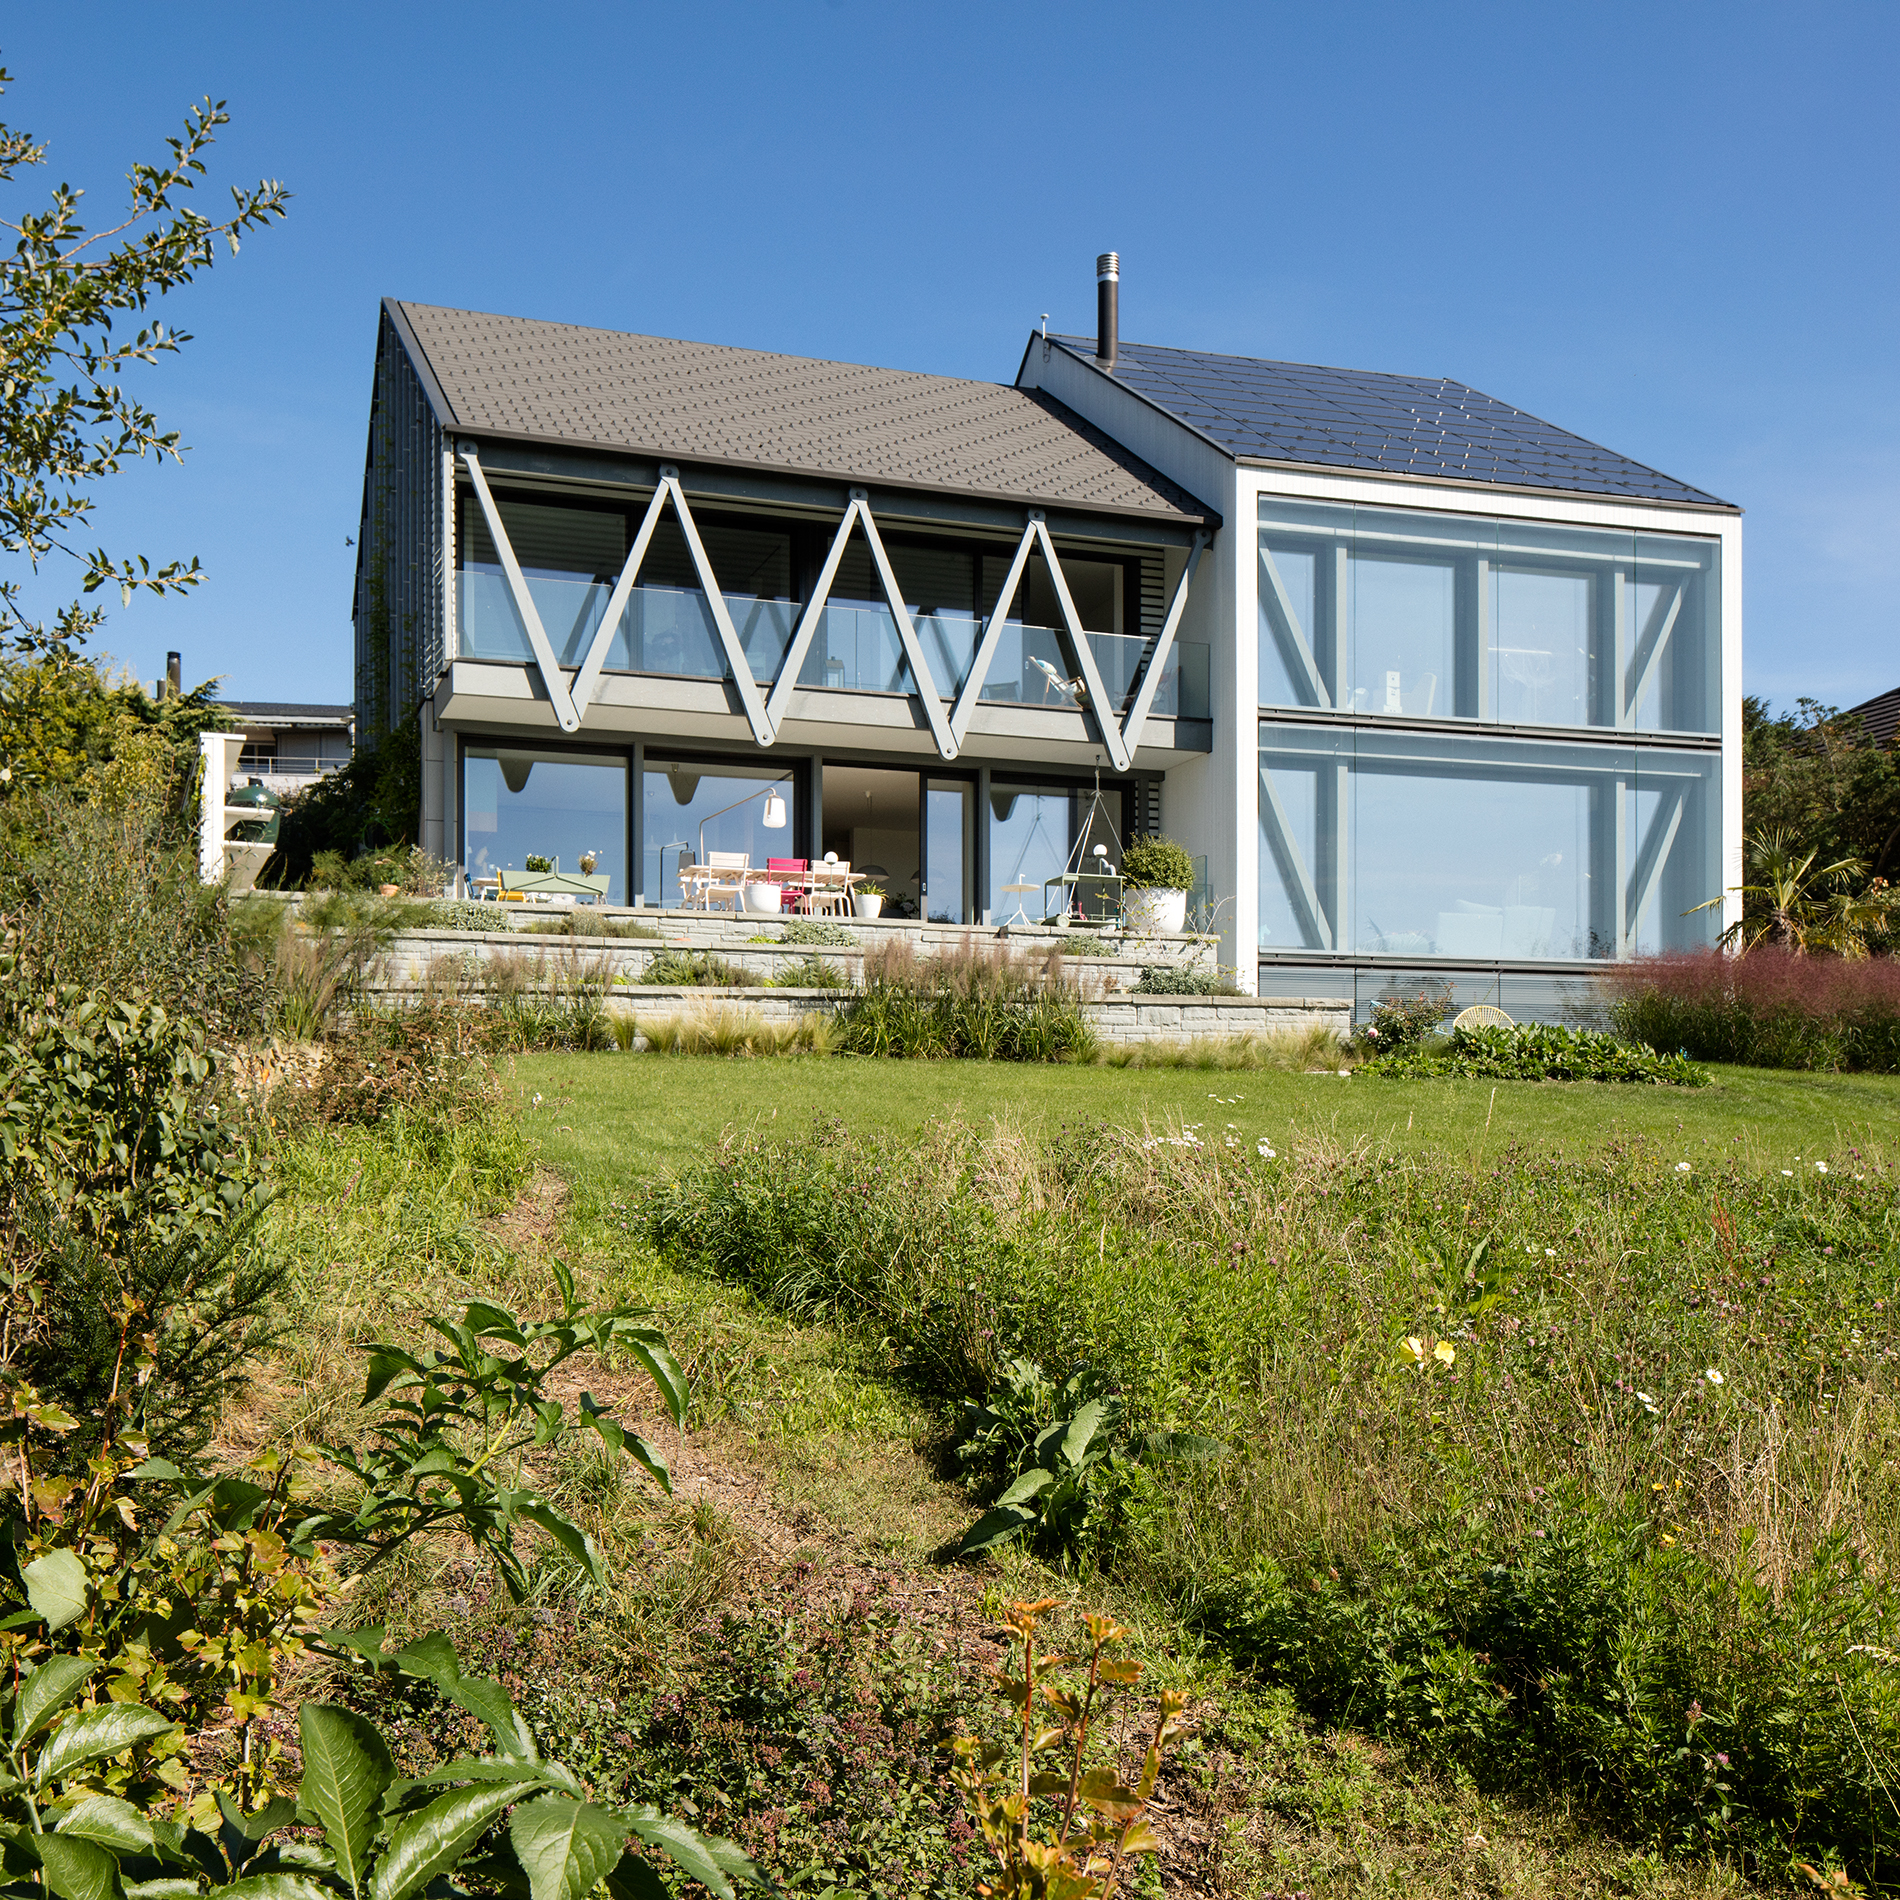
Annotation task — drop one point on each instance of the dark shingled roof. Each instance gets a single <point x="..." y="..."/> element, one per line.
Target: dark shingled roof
<point x="703" y="402"/>
<point x="1881" y="715"/>
<point x="284" y="713"/>
<point x="1427" y="426"/>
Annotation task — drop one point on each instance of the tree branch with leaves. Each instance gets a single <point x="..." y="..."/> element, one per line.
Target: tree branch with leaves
<point x="66" y="421"/>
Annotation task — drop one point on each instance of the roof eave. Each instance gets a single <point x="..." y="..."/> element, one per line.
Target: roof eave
<point x="1163" y="514"/>
<point x="1479" y="485"/>
<point x="419" y="360"/>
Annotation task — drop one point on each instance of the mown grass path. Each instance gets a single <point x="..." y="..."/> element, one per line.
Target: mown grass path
<point x="605" y="1117"/>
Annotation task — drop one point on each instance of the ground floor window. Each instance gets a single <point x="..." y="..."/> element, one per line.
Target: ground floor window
<point x="520" y="802"/>
<point x="691" y="808"/>
<point x="1406" y="844"/>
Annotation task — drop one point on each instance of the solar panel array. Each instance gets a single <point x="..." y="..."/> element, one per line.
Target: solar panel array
<point x="1342" y="418"/>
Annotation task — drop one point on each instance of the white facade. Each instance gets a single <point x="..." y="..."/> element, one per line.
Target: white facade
<point x="1665" y="804"/>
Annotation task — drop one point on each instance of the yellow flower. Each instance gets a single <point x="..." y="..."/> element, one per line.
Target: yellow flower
<point x="1444" y="1352"/>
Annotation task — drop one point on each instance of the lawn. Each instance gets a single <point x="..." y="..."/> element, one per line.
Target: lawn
<point x="604" y="1116"/>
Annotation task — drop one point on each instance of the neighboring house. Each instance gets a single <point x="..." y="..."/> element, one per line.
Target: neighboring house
<point x="1880" y="715"/>
<point x="1435" y="689"/>
<point x="286" y="746"/>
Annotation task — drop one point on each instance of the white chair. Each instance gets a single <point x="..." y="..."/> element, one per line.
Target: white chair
<point x="831" y="888"/>
<point x="726" y="879"/>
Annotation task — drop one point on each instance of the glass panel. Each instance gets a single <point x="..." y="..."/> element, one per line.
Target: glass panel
<point x="684" y="812"/>
<point x="1414" y="581"/>
<point x="556" y="805"/>
<point x="1675" y="851"/>
<point x="1674" y="673"/>
<point x="947" y="830"/>
<point x="857" y="649"/>
<point x="1558" y="597"/>
<point x="1299" y="614"/>
<point x="1301" y="776"/>
<point x="1500" y="852"/>
<point x="1029" y="842"/>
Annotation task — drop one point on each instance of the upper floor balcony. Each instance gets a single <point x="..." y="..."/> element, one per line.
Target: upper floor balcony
<point x="856" y="649"/>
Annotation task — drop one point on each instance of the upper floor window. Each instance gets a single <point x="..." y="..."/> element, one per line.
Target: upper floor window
<point x="1378" y="610"/>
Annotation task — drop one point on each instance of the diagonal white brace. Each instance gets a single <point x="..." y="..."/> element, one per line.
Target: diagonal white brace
<point x="1158" y="659"/>
<point x="722" y="619"/>
<point x="589" y="676"/>
<point x="1105" y="720"/>
<point x="1273" y="815"/>
<point x="794" y="660"/>
<point x="907" y="634"/>
<point x="972" y="687"/>
<point x="1658" y="840"/>
<point x="1649" y="649"/>
<point x="551" y="675"/>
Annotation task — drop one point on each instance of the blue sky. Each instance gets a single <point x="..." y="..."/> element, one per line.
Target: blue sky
<point x="1669" y="228"/>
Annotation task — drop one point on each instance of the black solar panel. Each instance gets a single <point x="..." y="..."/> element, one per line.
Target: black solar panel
<point x="1344" y="418"/>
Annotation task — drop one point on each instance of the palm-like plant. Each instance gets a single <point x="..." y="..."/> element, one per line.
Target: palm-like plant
<point x="1800" y="906"/>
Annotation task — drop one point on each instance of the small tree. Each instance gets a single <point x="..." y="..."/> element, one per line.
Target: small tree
<point x="65" y="422"/>
<point x="1800" y="906"/>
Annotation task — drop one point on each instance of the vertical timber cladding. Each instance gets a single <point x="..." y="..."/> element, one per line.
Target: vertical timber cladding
<point x="399" y="555"/>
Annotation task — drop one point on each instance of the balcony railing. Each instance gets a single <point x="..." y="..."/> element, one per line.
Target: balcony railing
<point x="855" y="649"/>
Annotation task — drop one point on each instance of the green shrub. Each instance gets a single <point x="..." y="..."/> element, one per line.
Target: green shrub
<point x="695" y="969"/>
<point x="1181" y="979"/>
<point x="812" y="973"/>
<point x="106" y="895"/>
<point x="1157" y="864"/>
<point x="819" y="932"/>
<point x="974" y="1002"/>
<point x="1539" y="1052"/>
<point x="1402" y="1022"/>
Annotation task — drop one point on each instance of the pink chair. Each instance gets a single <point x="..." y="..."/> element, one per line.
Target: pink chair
<point x="791" y="875"/>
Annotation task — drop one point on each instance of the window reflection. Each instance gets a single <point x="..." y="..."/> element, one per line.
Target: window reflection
<point x="518" y="802"/>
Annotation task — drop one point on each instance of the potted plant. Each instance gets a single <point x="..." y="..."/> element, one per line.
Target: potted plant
<point x="535" y="862"/>
<point x="1156" y="876"/>
<point x="868" y="898"/>
<point x="588" y="860"/>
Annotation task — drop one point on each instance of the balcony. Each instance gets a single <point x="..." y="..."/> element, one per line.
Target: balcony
<point x="670" y="632"/>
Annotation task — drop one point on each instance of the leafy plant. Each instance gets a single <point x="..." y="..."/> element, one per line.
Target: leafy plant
<point x="534" y="862"/>
<point x="449" y="1448"/>
<point x="1540" y="1052"/>
<point x="1157" y="864"/>
<point x="1061" y="1448"/>
<point x="1098" y="1821"/>
<point x="694" y="969"/>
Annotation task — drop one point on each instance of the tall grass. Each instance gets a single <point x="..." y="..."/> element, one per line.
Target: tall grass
<point x="1631" y="1534"/>
<point x="976" y="1000"/>
<point x="1770" y="1008"/>
<point x="726" y="1030"/>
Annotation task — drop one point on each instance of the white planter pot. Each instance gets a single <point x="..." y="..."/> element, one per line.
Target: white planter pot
<point x="1155" y="913"/>
<point x="764" y="900"/>
<point x="868" y="906"/>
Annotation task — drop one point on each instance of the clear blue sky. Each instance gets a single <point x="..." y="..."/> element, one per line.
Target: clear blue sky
<point x="1669" y="228"/>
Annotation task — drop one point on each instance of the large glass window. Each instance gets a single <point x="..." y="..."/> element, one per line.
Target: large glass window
<point x="689" y="809"/>
<point x="1382" y="611"/>
<point x="1396" y="844"/>
<point x="519" y="802"/>
<point x="1030" y="839"/>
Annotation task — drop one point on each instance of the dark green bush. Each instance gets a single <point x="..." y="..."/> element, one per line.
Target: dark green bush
<point x="812" y="973"/>
<point x="1402" y="1022"/>
<point x="1155" y="863"/>
<point x="1539" y="1052"/>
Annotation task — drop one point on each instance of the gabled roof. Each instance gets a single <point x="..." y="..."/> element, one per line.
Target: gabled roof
<point x="524" y="380"/>
<point x="1880" y="715"/>
<point x="1429" y="426"/>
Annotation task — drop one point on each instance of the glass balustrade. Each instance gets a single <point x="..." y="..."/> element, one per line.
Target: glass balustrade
<point x="855" y="647"/>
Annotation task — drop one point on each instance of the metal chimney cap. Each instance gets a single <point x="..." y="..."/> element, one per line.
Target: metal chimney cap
<point x="1108" y="267"/>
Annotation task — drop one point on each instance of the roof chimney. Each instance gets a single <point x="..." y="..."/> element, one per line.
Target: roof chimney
<point x="1108" y="271"/>
<point x="174" y="675"/>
